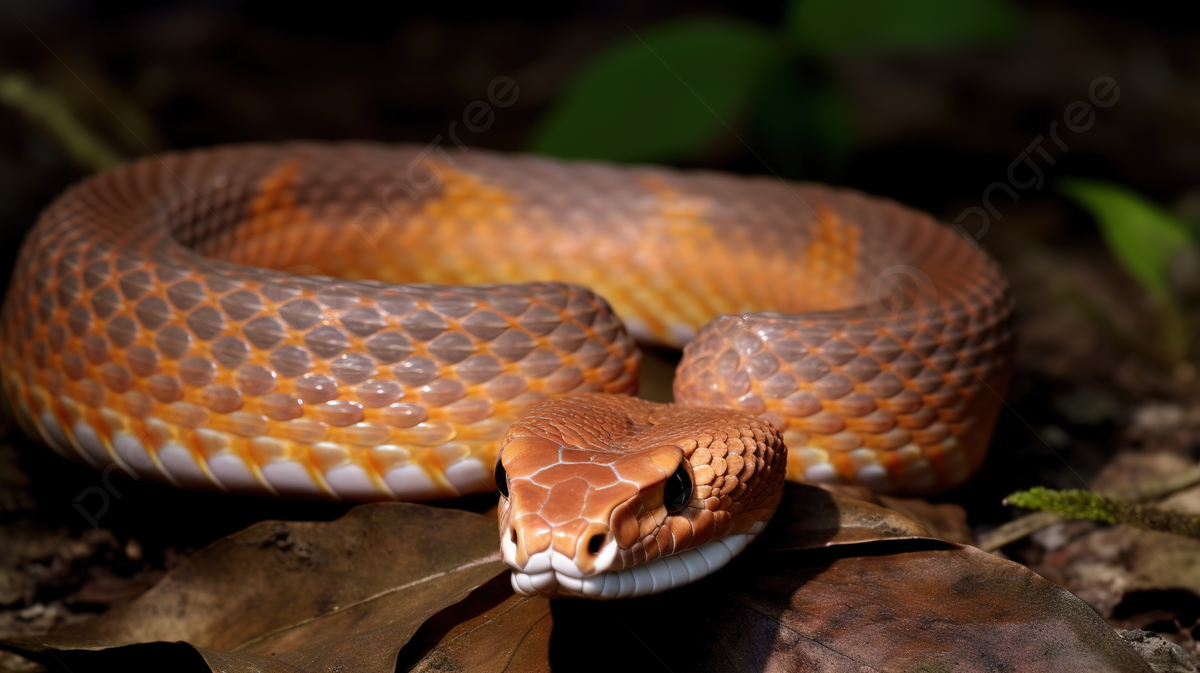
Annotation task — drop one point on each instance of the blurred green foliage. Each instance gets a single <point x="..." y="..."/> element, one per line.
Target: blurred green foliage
<point x="1143" y="236"/>
<point x="1148" y="241"/>
<point x="668" y="94"/>
<point x="661" y="94"/>
<point x="836" y="27"/>
<point x="48" y="110"/>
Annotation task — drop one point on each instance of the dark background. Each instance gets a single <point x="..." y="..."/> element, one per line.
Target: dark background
<point x="930" y="129"/>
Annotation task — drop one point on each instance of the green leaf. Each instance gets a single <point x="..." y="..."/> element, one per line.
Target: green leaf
<point x="1142" y="236"/>
<point x="833" y="27"/>
<point x="659" y="96"/>
<point x="47" y="109"/>
<point x="801" y="122"/>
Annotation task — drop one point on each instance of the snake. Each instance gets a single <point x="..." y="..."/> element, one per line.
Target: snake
<point x="358" y="321"/>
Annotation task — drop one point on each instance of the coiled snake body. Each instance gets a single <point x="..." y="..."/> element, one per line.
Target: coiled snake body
<point x="320" y="321"/>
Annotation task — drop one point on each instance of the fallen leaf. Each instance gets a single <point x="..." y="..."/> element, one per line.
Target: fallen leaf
<point x="1133" y="578"/>
<point x="513" y="633"/>
<point x="834" y="584"/>
<point x="896" y="605"/>
<point x="1133" y="471"/>
<point x="1108" y="564"/>
<point x="299" y="596"/>
<point x="811" y="517"/>
<point x="945" y="521"/>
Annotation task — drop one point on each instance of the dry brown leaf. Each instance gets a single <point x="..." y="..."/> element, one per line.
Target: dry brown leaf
<point x="896" y="605"/>
<point x="302" y="596"/>
<point x="1134" y="578"/>
<point x="810" y="517"/>
<point x="492" y="631"/>
<point x="945" y="521"/>
<point x="1107" y="564"/>
<point x="802" y="600"/>
<point x="1135" y="475"/>
<point x="835" y="584"/>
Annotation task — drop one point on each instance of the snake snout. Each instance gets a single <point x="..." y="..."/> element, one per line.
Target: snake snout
<point x="579" y="548"/>
<point x="596" y="550"/>
<point x="528" y="537"/>
<point x="596" y="543"/>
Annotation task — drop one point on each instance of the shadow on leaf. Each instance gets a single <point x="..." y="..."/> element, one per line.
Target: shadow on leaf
<point x="835" y="584"/>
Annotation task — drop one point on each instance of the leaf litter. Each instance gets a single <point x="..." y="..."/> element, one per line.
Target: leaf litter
<point x="835" y="583"/>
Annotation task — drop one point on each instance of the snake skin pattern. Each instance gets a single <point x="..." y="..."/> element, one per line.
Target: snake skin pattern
<point x="585" y="515"/>
<point x="319" y="320"/>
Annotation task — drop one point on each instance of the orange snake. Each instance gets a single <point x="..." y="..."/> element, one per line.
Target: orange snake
<point x="319" y="321"/>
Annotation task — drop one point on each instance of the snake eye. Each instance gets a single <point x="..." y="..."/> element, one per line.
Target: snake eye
<point x="501" y="477"/>
<point x="677" y="492"/>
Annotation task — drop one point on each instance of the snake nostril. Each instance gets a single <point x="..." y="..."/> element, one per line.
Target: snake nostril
<point x="595" y="544"/>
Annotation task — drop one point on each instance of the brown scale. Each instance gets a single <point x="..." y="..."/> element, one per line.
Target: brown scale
<point x="190" y="299"/>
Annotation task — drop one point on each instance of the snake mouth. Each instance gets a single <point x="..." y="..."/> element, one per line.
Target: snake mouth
<point x="552" y="575"/>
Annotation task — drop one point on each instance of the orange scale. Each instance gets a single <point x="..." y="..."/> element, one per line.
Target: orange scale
<point x="843" y="464"/>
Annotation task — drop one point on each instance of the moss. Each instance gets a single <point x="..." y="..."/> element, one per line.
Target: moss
<point x="1077" y="504"/>
<point x="1074" y="504"/>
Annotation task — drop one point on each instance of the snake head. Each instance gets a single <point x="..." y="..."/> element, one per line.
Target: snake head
<point x="607" y="497"/>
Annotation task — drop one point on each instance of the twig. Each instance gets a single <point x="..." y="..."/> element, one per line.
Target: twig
<point x="1031" y="523"/>
<point x="1076" y="504"/>
<point x="1016" y="529"/>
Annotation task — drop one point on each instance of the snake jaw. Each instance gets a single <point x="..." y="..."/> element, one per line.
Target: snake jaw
<point x="554" y="576"/>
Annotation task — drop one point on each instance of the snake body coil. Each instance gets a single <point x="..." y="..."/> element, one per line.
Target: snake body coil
<point x="318" y="320"/>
